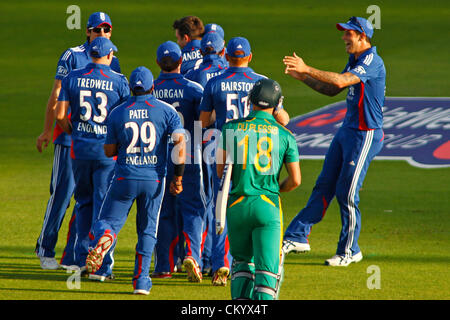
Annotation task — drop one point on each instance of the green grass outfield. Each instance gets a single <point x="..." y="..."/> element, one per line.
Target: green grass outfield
<point x="405" y="210"/>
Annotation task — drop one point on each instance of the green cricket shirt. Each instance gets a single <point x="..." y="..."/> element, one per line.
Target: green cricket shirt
<point x="257" y="146"/>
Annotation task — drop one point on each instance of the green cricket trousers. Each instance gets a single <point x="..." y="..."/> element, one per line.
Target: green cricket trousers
<point x="254" y="232"/>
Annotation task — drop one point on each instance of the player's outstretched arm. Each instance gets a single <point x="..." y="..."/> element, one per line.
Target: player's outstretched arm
<point x="46" y="136"/>
<point x="294" y="178"/>
<point x="325" y="82"/>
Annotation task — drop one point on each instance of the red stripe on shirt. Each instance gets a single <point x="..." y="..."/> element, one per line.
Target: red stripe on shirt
<point x="101" y="71"/>
<point x="362" y="120"/>
<point x="232" y="75"/>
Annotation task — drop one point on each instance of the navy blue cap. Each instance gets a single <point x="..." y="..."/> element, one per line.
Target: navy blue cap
<point x="212" y="27"/>
<point x="238" y="44"/>
<point x="101" y="47"/>
<point x="141" y="79"/>
<point x="212" y="40"/>
<point x="168" y="48"/>
<point x="98" y="18"/>
<point x="357" y="23"/>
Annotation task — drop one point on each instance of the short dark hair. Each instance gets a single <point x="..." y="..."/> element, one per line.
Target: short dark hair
<point x="192" y="26"/>
<point x="141" y="93"/>
<point x="167" y="64"/>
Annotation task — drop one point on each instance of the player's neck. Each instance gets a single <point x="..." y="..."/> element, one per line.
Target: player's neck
<point x="363" y="49"/>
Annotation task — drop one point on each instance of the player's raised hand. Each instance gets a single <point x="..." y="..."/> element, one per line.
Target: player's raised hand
<point x="295" y="66"/>
<point x="43" y="140"/>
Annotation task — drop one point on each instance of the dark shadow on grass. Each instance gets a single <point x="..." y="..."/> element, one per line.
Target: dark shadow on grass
<point x="311" y="259"/>
<point x="77" y="291"/>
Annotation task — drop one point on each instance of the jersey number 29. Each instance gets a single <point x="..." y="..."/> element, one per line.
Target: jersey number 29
<point x="148" y="137"/>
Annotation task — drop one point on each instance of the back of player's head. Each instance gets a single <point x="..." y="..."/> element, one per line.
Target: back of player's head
<point x="191" y="26"/>
<point x="265" y="94"/>
<point x="212" y="43"/>
<point x="238" y="47"/>
<point x="141" y="81"/>
<point x="212" y="27"/>
<point x="168" y="56"/>
<point x="101" y="47"/>
<point x="98" y="18"/>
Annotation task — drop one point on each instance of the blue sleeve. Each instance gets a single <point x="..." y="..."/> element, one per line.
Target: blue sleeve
<point x="207" y="102"/>
<point x="345" y="69"/>
<point x="65" y="65"/>
<point x="174" y="122"/>
<point x="111" y="137"/>
<point x="198" y="95"/>
<point x="125" y="89"/>
<point x="64" y="94"/>
<point x="366" y="68"/>
<point x="115" y="65"/>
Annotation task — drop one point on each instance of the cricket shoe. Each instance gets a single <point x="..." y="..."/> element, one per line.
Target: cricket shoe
<point x="296" y="247"/>
<point x="162" y="275"/>
<point x="220" y="277"/>
<point x="343" y="261"/>
<point x="141" y="292"/>
<point x="95" y="257"/>
<point x="101" y="278"/>
<point x="72" y="267"/>
<point x="48" y="263"/>
<point x="193" y="269"/>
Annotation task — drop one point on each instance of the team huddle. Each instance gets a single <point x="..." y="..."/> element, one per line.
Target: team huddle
<point x="164" y="144"/>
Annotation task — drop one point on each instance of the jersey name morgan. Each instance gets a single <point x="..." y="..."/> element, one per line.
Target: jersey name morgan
<point x="170" y="93"/>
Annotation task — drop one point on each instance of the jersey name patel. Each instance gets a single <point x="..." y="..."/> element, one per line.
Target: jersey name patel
<point x="95" y="84"/>
<point x="168" y="93"/>
<point x="138" y="114"/>
<point x="236" y="86"/>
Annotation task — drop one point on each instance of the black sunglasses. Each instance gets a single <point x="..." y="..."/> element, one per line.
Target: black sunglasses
<point x="354" y="20"/>
<point x="98" y="29"/>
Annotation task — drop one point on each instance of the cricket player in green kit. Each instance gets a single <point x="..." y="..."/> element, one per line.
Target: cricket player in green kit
<point x="256" y="147"/>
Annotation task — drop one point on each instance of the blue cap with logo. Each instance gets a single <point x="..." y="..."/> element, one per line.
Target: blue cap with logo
<point x="357" y="23"/>
<point x="141" y="79"/>
<point x="238" y="47"/>
<point x="168" y="49"/>
<point x="212" y="27"/>
<point x="213" y="41"/>
<point x="98" y="18"/>
<point x="101" y="47"/>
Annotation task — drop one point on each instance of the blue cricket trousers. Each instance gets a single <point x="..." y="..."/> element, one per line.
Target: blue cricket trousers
<point x="61" y="189"/>
<point x="114" y="212"/>
<point x="185" y="211"/>
<point x="92" y="179"/>
<point x="343" y="173"/>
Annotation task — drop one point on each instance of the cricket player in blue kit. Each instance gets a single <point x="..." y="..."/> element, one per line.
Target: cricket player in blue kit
<point x="62" y="183"/>
<point x="138" y="133"/>
<point x="212" y="49"/>
<point x="227" y="96"/>
<point x="190" y="205"/>
<point x="356" y="143"/>
<point x="90" y="93"/>
<point x="189" y="31"/>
